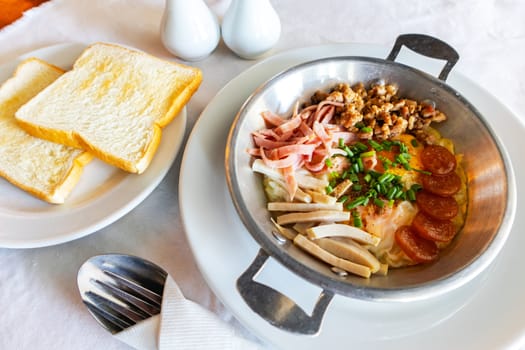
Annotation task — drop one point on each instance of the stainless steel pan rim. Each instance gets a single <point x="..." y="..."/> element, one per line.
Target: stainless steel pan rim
<point x="331" y="284"/>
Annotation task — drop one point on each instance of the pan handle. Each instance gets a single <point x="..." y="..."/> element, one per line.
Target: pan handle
<point x="276" y="308"/>
<point x="427" y="46"/>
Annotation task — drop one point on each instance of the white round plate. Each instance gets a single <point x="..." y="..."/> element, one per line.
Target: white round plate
<point x="487" y="313"/>
<point x="102" y="195"/>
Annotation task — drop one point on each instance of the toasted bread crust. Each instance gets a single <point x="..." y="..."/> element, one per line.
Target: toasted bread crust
<point x="59" y="194"/>
<point x="61" y="184"/>
<point x="92" y="66"/>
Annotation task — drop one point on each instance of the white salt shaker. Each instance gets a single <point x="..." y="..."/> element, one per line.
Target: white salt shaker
<point x="250" y="27"/>
<point x="189" y="29"/>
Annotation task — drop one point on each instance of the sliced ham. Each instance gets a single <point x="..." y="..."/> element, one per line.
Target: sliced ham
<point x="261" y="141"/>
<point x="306" y="140"/>
<point x="272" y="119"/>
<point x="286" y="162"/>
<point x="289" y="126"/>
<point x="301" y="149"/>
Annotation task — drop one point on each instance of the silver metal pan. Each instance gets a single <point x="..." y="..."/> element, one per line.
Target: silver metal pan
<point x="491" y="187"/>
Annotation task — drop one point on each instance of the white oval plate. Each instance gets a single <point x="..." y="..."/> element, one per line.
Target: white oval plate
<point x="486" y="313"/>
<point x="102" y="195"/>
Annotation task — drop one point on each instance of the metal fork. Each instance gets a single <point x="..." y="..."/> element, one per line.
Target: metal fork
<point x="121" y="290"/>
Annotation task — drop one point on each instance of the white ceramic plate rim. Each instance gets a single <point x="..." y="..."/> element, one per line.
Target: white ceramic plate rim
<point x="103" y="194"/>
<point x="223" y="248"/>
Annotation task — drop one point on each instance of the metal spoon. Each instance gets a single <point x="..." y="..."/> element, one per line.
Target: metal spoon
<point x="121" y="290"/>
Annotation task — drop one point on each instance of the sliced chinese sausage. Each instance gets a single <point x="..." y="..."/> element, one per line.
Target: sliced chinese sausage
<point x="437" y="207"/>
<point x="418" y="249"/>
<point x="436" y="230"/>
<point x="438" y="160"/>
<point x="442" y="185"/>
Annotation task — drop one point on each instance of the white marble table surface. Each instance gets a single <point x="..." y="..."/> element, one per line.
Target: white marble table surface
<point x="39" y="302"/>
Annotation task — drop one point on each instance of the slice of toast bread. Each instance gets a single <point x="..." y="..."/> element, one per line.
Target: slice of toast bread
<point x="45" y="169"/>
<point x="113" y="103"/>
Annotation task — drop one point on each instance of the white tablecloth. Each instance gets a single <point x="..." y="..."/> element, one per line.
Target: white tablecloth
<point x="39" y="302"/>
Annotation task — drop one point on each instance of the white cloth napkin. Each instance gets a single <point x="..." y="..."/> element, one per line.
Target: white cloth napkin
<point x="182" y="324"/>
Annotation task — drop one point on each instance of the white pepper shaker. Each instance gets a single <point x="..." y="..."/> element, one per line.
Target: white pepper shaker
<point x="189" y="29"/>
<point x="250" y="27"/>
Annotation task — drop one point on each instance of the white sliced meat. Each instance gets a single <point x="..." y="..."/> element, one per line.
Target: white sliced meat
<point x="293" y="206"/>
<point x="342" y="230"/>
<point x="302" y="196"/>
<point x="331" y="259"/>
<point x="301" y="227"/>
<point x="351" y="251"/>
<point x="383" y="270"/>
<point x="341" y="188"/>
<point x="318" y="197"/>
<point x="285" y="231"/>
<point x="304" y="180"/>
<point x="313" y="216"/>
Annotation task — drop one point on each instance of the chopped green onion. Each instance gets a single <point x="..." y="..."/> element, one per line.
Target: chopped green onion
<point x="386" y="162"/>
<point x="391" y="203"/>
<point x="357" y="222"/>
<point x="411" y="195"/>
<point x="343" y="199"/>
<point x="359" y="125"/>
<point x="379" y="202"/>
<point x="375" y="174"/>
<point x="403" y="148"/>
<point x="328" y="162"/>
<point x="329" y="189"/>
<point x="375" y="145"/>
<point x="416" y="187"/>
<point x="414" y="142"/>
<point x="401" y="158"/>
<point x="334" y="175"/>
<point x="348" y="151"/>
<point x="341" y="143"/>
<point x="356" y="202"/>
<point x="355" y="167"/>
<point x="361" y="146"/>
<point x="391" y="193"/>
<point x="355" y="214"/>
<point x="360" y="164"/>
<point x="356" y="187"/>
<point x="371" y="193"/>
<point x="387" y="145"/>
<point x="368" y="177"/>
<point x="366" y="129"/>
<point x="367" y="154"/>
<point x="354" y="178"/>
<point x="385" y="177"/>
